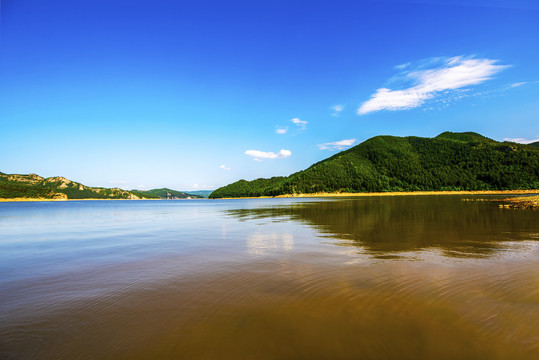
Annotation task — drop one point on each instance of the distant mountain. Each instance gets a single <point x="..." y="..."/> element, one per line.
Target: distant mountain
<point x="450" y="161"/>
<point x="203" y="193"/>
<point x="534" y="144"/>
<point x="165" y="193"/>
<point x="36" y="187"/>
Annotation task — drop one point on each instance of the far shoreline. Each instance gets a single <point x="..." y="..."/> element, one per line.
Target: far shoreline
<point x="392" y="193"/>
<point x="316" y="195"/>
<point x="45" y="199"/>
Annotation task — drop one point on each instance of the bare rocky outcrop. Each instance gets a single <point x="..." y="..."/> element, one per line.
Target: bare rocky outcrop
<point x="27" y="179"/>
<point x="64" y="183"/>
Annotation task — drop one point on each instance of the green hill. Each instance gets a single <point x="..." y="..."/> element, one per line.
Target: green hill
<point x="450" y="161"/>
<point x="33" y="186"/>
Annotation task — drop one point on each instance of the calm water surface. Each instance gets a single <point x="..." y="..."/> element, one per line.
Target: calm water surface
<point x="404" y="277"/>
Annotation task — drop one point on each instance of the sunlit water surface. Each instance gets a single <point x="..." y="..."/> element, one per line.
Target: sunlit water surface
<point x="405" y="277"/>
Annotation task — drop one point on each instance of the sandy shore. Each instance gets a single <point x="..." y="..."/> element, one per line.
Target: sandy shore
<point x="400" y="193"/>
<point x="396" y="193"/>
<point x="44" y="199"/>
<point x="317" y="195"/>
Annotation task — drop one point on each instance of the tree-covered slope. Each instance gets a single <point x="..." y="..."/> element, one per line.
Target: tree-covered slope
<point x="450" y="161"/>
<point x="35" y="186"/>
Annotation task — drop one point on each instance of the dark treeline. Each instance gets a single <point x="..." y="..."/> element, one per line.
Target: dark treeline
<point x="450" y="161"/>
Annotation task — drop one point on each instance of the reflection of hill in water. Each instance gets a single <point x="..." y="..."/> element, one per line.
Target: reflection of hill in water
<point x="385" y="225"/>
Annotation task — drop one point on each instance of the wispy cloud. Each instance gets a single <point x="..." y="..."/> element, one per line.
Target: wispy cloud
<point x="281" y="130"/>
<point x="302" y="124"/>
<point x="522" y="140"/>
<point x="517" y="84"/>
<point x="259" y="155"/>
<point x="223" y="167"/>
<point x="440" y="76"/>
<point x="337" y="145"/>
<point x="403" y="66"/>
<point x="337" y="109"/>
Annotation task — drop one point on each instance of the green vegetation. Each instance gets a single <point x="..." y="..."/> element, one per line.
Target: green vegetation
<point x="244" y="188"/>
<point x="450" y="161"/>
<point x="33" y="186"/>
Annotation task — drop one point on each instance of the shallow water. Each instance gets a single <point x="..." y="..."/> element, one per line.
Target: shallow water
<point x="404" y="277"/>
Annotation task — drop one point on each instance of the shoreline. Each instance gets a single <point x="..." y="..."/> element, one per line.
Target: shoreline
<point x="393" y="193"/>
<point x="522" y="202"/>
<point x="317" y="195"/>
<point x="45" y="199"/>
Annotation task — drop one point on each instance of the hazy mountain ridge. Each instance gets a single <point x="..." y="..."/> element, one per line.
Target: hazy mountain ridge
<point x="449" y="161"/>
<point x="165" y="193"/>
<point x="202" y="193"/>
<point x="33" y="186"/>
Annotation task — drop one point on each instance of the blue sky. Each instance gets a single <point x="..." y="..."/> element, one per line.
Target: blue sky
<point x="198" y="94"/>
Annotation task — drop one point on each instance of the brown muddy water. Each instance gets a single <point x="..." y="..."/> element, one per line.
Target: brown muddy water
<point x="404" y="277"/>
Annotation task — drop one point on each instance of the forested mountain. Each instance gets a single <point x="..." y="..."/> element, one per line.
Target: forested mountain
<point x="450" y="161"/>
<point x="36" y="187"/>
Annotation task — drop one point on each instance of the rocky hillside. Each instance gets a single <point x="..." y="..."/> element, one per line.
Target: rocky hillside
<point x="35" y="186"/>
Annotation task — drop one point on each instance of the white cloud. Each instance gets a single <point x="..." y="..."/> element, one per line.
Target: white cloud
<point x="522" y="140"/>
<point x="281" y="130"/>
<point x="302" y="124"/>
<point x="259" y="155"/>
<point x="223" y="167"/>
<point x="337" y="109"/>
<point x="337" y="145"/>
<point x="443" y="75"/>
<point x="403" y="66"/>
<point x="517" y="84"/>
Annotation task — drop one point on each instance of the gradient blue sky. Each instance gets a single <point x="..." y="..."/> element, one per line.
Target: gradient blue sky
<point x="198" y="94"/>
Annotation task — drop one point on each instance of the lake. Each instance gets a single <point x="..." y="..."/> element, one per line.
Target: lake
<point x="401" y="277"/>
